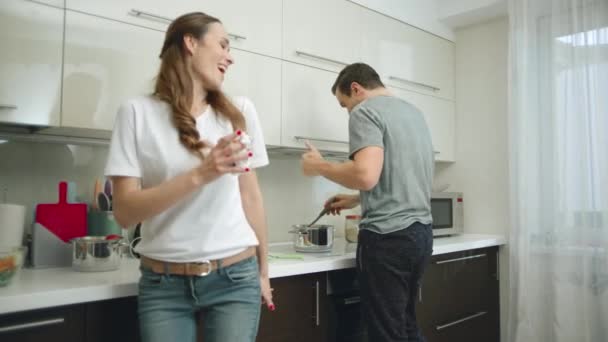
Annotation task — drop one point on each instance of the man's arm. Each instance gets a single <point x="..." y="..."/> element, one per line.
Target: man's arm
<point x="362" y="173"/>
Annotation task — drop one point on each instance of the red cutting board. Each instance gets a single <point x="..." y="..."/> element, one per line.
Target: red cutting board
<point x="65" y="220"/>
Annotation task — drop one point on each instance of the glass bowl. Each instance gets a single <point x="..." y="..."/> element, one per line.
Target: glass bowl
<point x="11" y="261"/>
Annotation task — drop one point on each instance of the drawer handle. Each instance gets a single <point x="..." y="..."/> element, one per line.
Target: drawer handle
<point x="299" y="138"/>
<point x="25" y="326"/>
<point x="310" y="55"/>
<point x="317" y="309"/>
<point x="236" y="36"/>
<point x="147" y="15"/>
<point x="403" y="80"/>
<point x="468" y="318"/>
<point x="8" y="106"/>
<point x="155" y="17"/>
<point x="460" y="259"/>
<point x="352" y="300"/>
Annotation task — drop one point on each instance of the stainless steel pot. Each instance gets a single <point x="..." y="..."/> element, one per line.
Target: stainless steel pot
<point x="96" y="253"/>
<point x="315" y="238"/>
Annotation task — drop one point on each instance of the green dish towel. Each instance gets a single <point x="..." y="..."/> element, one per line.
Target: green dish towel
<point x="285" y="256"/>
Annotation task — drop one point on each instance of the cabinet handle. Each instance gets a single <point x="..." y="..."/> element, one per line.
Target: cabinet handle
<point x="352" y="300"/>
<point x="236" y="36"/>
<point x="147" y="15"/>
<point x="317" y="318"/>
<point x="156" y="17"/>
<point x="420" y="294"/>
<point x="321" y="140"/>
<point x="25" y="326"/>
<point x="436" y="152"/>
<point x="8" y="106"/>
<point x="403" y="80"/>
<point x="310" y="55"/>
<point x="441" y="327"/>
<point x="460" y="259"/>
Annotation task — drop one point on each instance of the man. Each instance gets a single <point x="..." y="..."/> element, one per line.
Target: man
<point x="391" y="163"/>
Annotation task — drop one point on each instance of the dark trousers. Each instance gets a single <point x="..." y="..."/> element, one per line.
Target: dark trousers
<point x="390" y="267"/>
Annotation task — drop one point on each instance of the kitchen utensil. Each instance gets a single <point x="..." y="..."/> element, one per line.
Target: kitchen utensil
<point x="104" y="202"/>
<point x="107" y="188"/>
<point x="63" y="219"/>
<point x="321" y="214"/>
<point x="96" y="190"/>
<point x="97" y="253"/>
<point x="316" y="238"/>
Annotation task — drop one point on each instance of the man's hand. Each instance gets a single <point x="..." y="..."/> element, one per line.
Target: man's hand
<point x="311" y="160"/>
<point x="340" y="202"/>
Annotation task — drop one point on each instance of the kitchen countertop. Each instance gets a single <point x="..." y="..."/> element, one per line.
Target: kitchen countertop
<point x="42" y="288"/>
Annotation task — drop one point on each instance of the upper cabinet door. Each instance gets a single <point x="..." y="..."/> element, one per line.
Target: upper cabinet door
<point x="243" y="79"/>
<point x="439" y="115"/>
<point x="407" y="57"/>
<point x="156" y="14"/>
<point x="30" y="63"/>
<point x="251" y="25"/>
<point x="310" y="111"/>
<point x="106" y="62"/>
<point x="321" y="33"/>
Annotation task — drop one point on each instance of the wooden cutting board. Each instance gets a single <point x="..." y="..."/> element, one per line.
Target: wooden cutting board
<point x="65" y="220"/>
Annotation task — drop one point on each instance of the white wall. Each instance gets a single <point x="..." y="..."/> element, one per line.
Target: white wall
<point x="423" y="14"/>
<point x="481" y="169"/>
<point x="30" y="171"/>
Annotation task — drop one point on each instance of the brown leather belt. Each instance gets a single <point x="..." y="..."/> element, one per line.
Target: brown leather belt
<point x="194" y="268"/>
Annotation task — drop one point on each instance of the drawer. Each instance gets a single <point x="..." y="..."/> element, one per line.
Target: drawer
<point x="457" y="285"/>
<point x="57" y="324"/>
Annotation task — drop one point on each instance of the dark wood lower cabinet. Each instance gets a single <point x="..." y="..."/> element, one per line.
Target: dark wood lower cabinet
<point x="64" y="324"/>
<point x="112" y="320"/>
<point x="459" y="298"/>
<point x="301" y="310"/>
<point x="458" y="301"/>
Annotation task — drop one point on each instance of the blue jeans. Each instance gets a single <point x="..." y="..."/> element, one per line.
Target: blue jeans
<point x="228" y="298"/>
<point x="390" y="267"/>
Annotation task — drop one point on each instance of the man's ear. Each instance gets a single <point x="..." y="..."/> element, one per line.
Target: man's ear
<point x="355" y="88"/>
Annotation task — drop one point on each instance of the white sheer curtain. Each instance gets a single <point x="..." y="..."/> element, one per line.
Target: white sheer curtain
<point x="558" y="126"/>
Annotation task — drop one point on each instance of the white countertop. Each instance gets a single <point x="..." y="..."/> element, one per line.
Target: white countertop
<point x="42" y="288"/>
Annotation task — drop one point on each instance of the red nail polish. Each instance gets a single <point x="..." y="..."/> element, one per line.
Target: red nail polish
<point x="247" y="169"/>
<point x="271" y="307"/>
<point x="250" y="154"/>
<point x="239" y="132"/>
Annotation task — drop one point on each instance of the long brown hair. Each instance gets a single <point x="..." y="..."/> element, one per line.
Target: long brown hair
<point x="174" y="83"/>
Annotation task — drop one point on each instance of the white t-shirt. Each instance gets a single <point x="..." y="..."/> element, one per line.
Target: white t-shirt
<point x="209" y="223"/>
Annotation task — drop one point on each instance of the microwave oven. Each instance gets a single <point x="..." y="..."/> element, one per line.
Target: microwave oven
<point x="448" y="214"/>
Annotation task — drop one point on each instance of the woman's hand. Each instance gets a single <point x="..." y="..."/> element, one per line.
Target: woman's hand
<point x="339" y="202"/>
<point x="223" y="158"/>
<point x="266" y="292"/>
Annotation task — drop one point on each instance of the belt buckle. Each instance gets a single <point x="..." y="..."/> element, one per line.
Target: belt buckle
<point x="208" y="263"/>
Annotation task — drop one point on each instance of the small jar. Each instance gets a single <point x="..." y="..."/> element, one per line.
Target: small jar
<point x="351" y="227"/>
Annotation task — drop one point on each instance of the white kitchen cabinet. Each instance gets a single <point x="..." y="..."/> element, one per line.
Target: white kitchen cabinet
<point x="259" y="79"/>
<point x="439" y="114"/>
<point x="154" y="14"/>
<point x="251" y="25"/>
<point x="407" y="57"/>
<point x="105" y="63"/>
<point x="321" y="33"/>
<point x="30" y="63"/>
<point x="310" y="110"/>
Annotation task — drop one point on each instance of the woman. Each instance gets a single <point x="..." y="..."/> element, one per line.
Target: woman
<point x="174" y="162"/>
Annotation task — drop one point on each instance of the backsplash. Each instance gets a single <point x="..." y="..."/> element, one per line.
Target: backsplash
<point x="30" y="172"/>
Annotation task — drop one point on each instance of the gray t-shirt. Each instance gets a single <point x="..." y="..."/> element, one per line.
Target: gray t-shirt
<point x="403" y="193"/>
